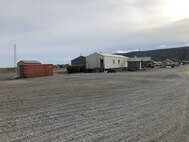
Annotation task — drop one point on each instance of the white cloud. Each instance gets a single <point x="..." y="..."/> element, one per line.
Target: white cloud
<point x="173" y="46"/>
<point x="127" y="51"/>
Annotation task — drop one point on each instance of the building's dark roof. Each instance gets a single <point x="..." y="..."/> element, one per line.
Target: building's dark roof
<point x="134" y="60"/>
<point x="79" y="57"/>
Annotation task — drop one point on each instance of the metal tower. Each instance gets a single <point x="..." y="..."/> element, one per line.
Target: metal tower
<point x="15" y="58"/>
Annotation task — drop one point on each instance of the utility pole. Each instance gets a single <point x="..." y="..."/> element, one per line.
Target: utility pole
<point x="15" y="58"/>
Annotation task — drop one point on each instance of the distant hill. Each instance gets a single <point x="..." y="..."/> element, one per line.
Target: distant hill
<point x="181" y="53"/>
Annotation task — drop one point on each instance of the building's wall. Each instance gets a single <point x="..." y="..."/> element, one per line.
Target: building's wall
<point x="93" y="61"/>
<point x="35" y="70"/>
<point x="112" y="62"/>
<point x="134" y="65"/>
<point x="79" y="61"/>
<point x="18" y="68"/>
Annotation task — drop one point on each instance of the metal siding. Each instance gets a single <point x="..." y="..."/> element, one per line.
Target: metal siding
<point x="109" y="62"/>
<point x="28" y="71"/>
<point x="134" y="65"/>
<point x="93" y="61"/>
<point x="25" y="62"/>
<point x="79" y="61"/>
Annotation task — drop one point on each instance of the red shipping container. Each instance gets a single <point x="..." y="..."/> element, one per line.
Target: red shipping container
<point x="35" y="70"/>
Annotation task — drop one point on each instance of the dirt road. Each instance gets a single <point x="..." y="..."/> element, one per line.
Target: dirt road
<point x="147" y="106"/>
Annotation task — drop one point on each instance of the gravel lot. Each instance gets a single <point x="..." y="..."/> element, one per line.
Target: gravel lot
<point x="146" y="106"/>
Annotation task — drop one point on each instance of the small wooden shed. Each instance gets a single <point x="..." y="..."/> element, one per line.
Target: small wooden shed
<point x="134" y="64"/>
<point x="81" y="60"/>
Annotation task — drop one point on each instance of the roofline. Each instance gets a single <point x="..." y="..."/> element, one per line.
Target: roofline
<point x="32" y="61"/>
<point x="110" y="55"/>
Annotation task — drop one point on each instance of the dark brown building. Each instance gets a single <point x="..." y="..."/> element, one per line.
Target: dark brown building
<point x="81" y="60"/>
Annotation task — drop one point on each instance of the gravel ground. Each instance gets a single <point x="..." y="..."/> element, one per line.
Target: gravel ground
<point x="146" y="106"/>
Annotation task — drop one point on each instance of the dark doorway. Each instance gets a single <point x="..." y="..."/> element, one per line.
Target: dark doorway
<point x="102" y="64"/>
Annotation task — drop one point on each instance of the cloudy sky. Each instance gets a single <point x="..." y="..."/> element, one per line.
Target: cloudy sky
<point x="56" y="31"/>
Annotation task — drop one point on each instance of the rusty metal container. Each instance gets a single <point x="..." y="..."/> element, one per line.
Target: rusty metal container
<point x="76" y="69"/>
<point x="35" y="70"/>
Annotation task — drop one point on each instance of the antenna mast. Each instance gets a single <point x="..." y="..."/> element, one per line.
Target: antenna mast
<point x="15" y="58"/>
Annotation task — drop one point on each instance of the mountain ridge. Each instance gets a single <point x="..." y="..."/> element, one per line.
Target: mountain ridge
<point x="180" y="53"/>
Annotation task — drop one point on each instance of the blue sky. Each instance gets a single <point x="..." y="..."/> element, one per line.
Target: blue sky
<point x="56" y="31"/>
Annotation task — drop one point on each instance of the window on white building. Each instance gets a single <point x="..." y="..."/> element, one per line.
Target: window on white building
<point x="113" y="61"/>
<point x="118" y="61"/>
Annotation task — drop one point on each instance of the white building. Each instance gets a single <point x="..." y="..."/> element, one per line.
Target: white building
<point x="105" y="61"/>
